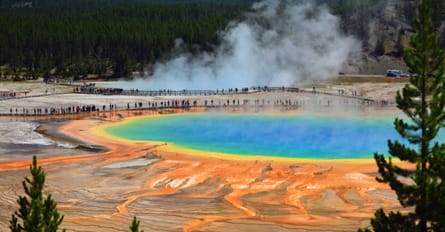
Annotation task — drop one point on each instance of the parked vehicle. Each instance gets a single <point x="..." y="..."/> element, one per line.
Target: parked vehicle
<point x="396" y="73"/>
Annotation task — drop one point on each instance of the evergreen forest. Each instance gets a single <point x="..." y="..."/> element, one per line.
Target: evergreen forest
<point x="77" y="39"/>
<point x="106" y="38"/>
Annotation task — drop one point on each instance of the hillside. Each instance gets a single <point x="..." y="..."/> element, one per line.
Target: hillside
<point x="389" y="26"/>
<point x="77" y="38"/>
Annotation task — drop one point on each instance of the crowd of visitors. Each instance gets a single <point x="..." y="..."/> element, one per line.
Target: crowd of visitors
<point x="91" y="88"/>
<point x="186" y="103"/>
<point x="233" y="98"/>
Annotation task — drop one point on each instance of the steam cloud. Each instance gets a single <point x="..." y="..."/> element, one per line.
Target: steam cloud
<point x="279" y="44"/>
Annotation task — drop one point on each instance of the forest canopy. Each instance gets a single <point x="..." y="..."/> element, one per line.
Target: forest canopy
<point x="74" y="39"/>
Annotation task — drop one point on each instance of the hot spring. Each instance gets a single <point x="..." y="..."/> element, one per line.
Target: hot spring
<point x="289" y="136"/>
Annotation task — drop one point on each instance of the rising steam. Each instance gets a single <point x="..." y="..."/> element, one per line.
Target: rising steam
<point x="278" y="44"/>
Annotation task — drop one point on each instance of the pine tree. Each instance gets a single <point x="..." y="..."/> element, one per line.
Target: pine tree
<point x="134" y="226"/>
<point x="423" y="102"/>
<point x="37" y="213"/>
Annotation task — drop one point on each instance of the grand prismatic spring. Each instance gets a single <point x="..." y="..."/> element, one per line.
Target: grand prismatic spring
<point x="249" y="167"/>
<point x="219" y="169"/>
<point x="288" y="136"/>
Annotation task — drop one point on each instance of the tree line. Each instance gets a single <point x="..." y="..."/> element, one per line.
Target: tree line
<point x="113" y="38"/>
<point x="67" y="42"/>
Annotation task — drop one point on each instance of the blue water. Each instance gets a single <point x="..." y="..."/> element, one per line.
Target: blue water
<point x="296" y="136"/>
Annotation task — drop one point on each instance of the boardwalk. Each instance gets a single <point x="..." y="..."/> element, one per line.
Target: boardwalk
<point x="104" y="100"/>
